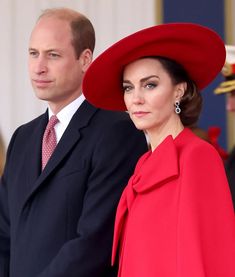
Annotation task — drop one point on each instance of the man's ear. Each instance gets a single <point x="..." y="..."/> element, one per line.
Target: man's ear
<point x="85" y="59"/>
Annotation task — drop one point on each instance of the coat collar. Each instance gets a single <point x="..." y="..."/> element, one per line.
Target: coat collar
<point x="71" y="135"/>
<point x="155" y="170"/>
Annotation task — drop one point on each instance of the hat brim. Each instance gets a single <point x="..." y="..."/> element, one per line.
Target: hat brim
<point x="198" y="49"/>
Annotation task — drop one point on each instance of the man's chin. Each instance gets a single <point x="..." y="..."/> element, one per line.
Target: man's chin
<point x="42" y="94"/>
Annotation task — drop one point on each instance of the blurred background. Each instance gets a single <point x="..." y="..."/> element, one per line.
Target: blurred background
<point x="112" y="19"/>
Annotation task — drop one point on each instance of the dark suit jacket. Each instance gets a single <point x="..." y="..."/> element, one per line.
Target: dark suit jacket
<point x="230" y="170"/>
<point x="59" y="223"/>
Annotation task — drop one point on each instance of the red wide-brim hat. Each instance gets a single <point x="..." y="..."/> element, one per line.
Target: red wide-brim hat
<point x="198" y="49"/>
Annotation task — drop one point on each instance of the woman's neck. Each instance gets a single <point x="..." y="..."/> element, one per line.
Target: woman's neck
<point x="159" y="134"/>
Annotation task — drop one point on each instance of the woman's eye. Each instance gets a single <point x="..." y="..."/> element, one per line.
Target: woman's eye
<point x="126" y="88"/>
<point x="150" y="85"/>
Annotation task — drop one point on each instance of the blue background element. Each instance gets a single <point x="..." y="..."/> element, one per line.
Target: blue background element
<point x="209" y="13"/>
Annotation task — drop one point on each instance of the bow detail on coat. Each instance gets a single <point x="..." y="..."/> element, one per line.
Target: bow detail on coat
<point x="152" y="170"/>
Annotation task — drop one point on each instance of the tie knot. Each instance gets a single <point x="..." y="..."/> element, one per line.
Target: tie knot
<point x="52" y="122"/>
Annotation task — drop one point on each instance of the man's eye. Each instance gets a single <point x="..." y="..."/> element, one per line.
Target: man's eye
<point x="53" y="55"/>
<point x="33" y="53"/>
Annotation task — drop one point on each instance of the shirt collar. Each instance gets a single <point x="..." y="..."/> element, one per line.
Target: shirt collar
<point x="68" y="111"/>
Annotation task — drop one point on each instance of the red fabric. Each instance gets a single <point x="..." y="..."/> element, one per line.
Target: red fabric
<point x="233" y="68"/>
<point x="213" y="134"/>
<point x="175" y="218"/>
<point x="49" y="140"/>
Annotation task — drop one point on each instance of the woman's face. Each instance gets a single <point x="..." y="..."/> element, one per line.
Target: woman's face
<point x="150" y="95"/>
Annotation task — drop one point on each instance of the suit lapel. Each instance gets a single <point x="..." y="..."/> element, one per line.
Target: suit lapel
<point x="33" y="156"/>
<point x="70" y="137"/>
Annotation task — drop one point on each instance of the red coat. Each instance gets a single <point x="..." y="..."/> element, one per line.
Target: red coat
<point x="175" y="218"/>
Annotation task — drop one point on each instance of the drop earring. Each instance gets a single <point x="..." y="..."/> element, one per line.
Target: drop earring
<point x="177" y="107"/>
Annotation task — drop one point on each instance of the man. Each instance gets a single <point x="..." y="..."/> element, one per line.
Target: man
<point x="228" y="86"/>
<point x="56" y="216"/>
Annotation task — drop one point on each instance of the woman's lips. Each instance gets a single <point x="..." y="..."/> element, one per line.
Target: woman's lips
<point x="140" y="113"/>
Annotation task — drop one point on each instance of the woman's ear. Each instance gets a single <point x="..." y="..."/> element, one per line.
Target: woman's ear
<point x="180" y="90"/>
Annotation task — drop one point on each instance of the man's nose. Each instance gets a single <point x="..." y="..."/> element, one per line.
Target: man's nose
<point x="40" y="66"/>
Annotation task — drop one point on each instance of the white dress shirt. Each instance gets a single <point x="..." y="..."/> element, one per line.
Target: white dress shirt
<point x="65" y="115"/>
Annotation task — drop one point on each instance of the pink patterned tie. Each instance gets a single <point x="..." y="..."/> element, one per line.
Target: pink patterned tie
<point x="49" y="140"/>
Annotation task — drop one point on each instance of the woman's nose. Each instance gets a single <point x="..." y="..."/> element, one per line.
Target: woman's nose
<point x="137" y="97"/>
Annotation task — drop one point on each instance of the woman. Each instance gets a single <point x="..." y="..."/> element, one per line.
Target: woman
<point x="175" y="217"/>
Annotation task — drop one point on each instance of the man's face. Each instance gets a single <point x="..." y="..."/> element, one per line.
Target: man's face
<point x="55" y="71"/>
<point x="231" y="102"/>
